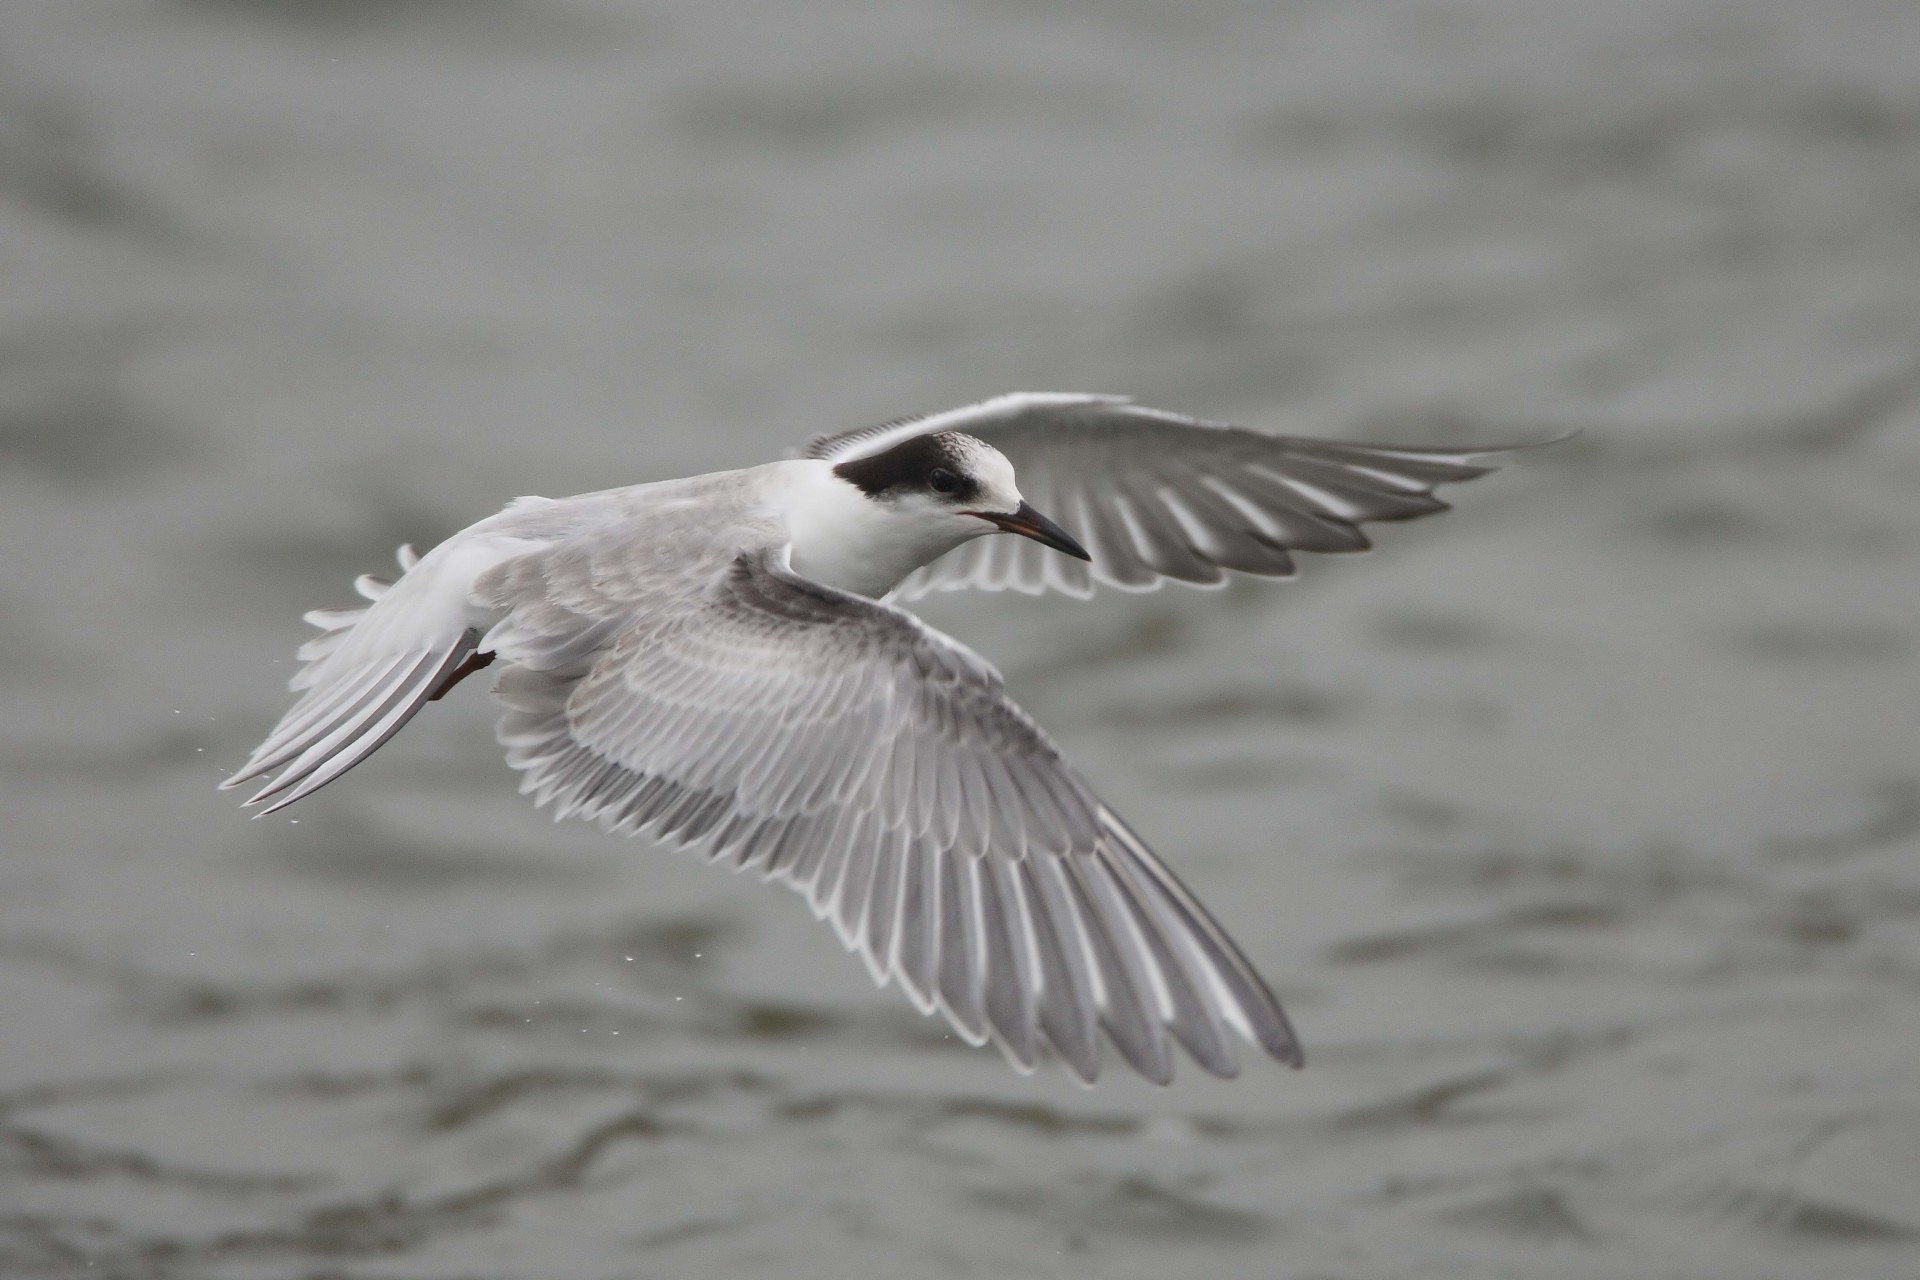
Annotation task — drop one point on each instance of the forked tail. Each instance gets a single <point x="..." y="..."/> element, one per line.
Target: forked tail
<point x="367" y="674"/>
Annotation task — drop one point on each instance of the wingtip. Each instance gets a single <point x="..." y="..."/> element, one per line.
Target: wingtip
<point x="272" y="788"/>
<point x="1527" y="446"/>
<point x="1084" y="1070"/>
<point x="277" y="805"/>
<point x="1285" y="1048"/>
<point x="1025" y="1064"/>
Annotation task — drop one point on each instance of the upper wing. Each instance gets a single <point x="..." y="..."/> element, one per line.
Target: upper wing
<point x="879" y="767"/>
<point x="1154" y="495"/>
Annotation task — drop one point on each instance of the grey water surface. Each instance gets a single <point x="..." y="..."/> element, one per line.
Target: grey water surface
<point x="1577" y="827"/>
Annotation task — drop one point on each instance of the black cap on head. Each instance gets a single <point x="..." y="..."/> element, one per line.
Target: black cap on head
<point x="910" y="467"/>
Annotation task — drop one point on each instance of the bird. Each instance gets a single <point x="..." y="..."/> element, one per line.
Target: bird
<point x="722" y="664"/>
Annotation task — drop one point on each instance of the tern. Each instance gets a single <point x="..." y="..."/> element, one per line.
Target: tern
<point x="716" y="663"/>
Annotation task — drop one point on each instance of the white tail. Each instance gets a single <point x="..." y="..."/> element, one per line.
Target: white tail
<point x="372" y="669"/>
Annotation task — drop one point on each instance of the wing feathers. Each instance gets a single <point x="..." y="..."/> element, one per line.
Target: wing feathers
<point x="1129" y="1010"/>
<point x="1256" y="1013"/>
<point x="958" y="944"/>
<point x="1155" y="496"/>
<point x="878" y="768"/>
<point x="1012" y="985"/>
<point x="1068" y="999"/>
<point x="916" y="954"/>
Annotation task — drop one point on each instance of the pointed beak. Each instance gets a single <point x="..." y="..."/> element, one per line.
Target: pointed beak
<point x="1029" y="523"/>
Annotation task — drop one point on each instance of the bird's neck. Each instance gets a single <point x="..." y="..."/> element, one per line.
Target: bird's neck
<point x="845" y="539"/>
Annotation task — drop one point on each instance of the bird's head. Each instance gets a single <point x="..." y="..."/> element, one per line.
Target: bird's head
<point x="956" y="485"/>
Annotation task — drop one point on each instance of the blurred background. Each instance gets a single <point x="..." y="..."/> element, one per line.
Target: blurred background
<point x="1577" y="827"/>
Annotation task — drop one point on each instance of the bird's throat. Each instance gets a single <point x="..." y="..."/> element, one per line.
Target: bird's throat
<point x="843" y="538"/>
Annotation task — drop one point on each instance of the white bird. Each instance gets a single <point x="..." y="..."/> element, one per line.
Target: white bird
<point x="714" y="663"/>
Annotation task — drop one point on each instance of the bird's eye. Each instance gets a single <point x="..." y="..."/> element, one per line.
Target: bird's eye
<point x="941" y="480"/>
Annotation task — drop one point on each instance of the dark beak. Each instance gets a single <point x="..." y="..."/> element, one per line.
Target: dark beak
<point x="1029" y="523"/>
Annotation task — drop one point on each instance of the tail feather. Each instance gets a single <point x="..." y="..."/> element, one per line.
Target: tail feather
<point x="367" y="673"/>
<point x="309" y="717"/>
<point x="333" y="743"/>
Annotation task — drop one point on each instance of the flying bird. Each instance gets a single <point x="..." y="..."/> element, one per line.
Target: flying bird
<point x="718" y="663"/>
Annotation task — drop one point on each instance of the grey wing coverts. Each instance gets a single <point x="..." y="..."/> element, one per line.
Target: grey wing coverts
<point x="878" y="767"/>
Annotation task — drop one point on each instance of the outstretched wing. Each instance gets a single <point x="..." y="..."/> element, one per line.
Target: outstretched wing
<point x="1154" y="495"/>
<point x="878" y="767"/>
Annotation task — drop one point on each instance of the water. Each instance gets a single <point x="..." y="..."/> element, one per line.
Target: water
<point x="1576" y="827"/>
